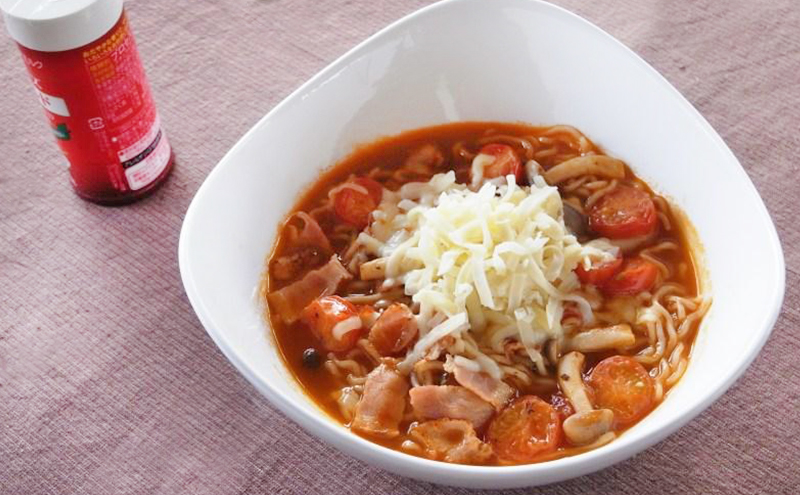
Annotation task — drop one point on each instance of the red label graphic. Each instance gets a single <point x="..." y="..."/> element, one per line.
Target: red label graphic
<point x="101" y="110"/>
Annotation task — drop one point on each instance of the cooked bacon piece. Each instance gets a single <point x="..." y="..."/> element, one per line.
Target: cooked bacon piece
<point x="394" y="330"/>
<point x="290" y="301"/>
<point x="311" y="235"/>
<point x="381" y="407"/>
<point x="308" y="248"/>
<point x="494" y="391"/>
<point x="451" y="440"/>
<point x="290" y="266"/>
<point x="424" y="159"/>
<point x="438" y="347"/>
<point x="450" y="401"/>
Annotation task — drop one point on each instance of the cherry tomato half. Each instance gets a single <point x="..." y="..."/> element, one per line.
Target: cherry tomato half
<point x="598" y="274"/>
<point x="621" y="383"/>
<point x="354" y="207"/>
<point x="394" y="330"/>
<point x="622" y="213"/>
<point x="528" y="428"/>
<point x="322" y="316"/>
<point x="635" y="276"/>
<point x="505" y="161"/>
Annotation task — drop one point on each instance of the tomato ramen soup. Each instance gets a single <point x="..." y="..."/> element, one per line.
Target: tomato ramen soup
<point x="484" y="293"/>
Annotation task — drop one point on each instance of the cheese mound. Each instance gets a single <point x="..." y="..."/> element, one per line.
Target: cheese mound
<point x="497" y="262"/>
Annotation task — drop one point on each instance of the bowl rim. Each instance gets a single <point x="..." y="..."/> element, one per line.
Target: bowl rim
<point x="458" y="474"/>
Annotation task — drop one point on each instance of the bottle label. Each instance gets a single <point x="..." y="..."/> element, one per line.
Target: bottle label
<point x="145" y="160"/>
<point x="102" y="113"/>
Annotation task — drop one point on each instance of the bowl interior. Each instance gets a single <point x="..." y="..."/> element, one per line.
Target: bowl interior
<point x="506" y="60"/>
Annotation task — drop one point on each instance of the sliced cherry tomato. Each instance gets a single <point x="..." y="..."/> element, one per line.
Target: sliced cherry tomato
<point x="374" y="188"/>
<point x="624" y="212"/>
<point x="394" y="330"/>
<point x="505" y="161"/>
<point x="324" y="314"/>
<point x="598" y="274"/>
<point x="528" y="428"/>
<point x="354" y="207"/>
<point x="368" y="315"/>
<point x="621" y="383"/>
<point x="635" y="276"/>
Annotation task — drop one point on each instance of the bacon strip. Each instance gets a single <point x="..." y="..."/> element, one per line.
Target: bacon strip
<point x="450" y="401"/>
<point x="424" y="159"/>
<point x="312" y="234"/>
<point x="495" y="392"/>
<point x="381" y="407"/>
<point x="451" y="440"/>
<point x="291" y="300"/>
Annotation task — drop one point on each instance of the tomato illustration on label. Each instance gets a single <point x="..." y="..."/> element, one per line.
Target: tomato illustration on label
<point x="61" y="132"/>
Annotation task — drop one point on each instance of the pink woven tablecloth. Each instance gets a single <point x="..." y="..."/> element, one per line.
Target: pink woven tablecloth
<point x="108" y="382"/>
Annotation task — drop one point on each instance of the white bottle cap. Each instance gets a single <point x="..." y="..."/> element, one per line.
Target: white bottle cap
<point x="58" y="25"/>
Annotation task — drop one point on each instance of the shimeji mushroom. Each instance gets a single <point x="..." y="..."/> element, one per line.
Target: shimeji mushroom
<point x="601" y="339"/>
<point x="600" y="165"/>
<point x="532" y="169"/>
<point x="374" y="269"/>
<point x="587" y="424"/>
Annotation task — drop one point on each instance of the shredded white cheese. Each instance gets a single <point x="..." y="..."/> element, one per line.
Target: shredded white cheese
<point x="345" y="326"/>
<point x="480" y="162"/>
<point x="452" y="326"/>
<point x="498" y="261"/>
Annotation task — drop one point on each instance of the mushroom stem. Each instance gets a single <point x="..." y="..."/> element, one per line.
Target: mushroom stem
<point x="373" y="269"/>
<point x="601" y="165"/>
<point x="576" y="221"/>
<point x="571" y="383"/>
<point x="587" y="424"/>
<point x="601" y="339"/>
<point x="586" y="427"/>
<point x="532" y="169"/>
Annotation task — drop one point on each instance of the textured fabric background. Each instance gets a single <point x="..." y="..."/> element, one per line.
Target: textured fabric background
<point x="108" y="382"/>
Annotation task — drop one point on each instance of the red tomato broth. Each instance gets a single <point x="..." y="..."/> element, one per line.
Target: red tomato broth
<point x="389" y="154"/>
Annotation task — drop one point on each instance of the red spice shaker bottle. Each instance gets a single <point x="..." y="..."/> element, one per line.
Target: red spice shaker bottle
<point x="85" y="67"/>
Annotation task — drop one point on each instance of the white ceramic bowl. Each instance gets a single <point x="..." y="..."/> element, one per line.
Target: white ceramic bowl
<point x="505" y="60"/>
